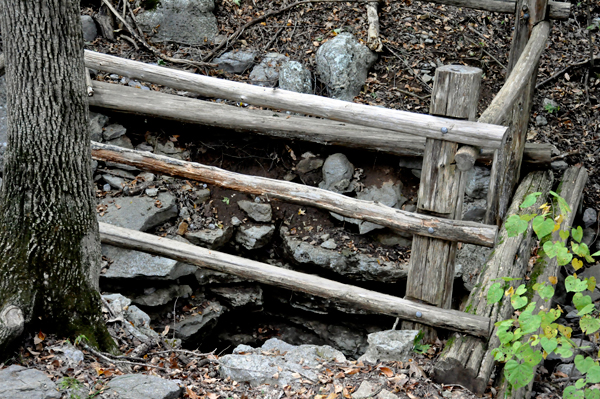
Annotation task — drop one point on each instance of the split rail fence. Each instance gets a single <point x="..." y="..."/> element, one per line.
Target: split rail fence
<point x="450" y="140"/>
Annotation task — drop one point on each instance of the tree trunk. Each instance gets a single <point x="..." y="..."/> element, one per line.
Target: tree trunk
<point x="49" y="241"/>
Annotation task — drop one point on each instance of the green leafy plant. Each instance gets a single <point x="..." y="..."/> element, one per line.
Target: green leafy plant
<point x="551" y="108"/>
<point x="80" y="339"/>
<point x="532" y="334"/>
<point x="419" y="347"/>
<point x="70" y="383"/>
<point x="226" y="200"/>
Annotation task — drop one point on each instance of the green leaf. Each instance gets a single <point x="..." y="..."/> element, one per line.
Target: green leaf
<point x="546" y="292"/>
<point x="548" y="344"/>
<point x="587" y="309"/>
<point x="592" y="393"/>
<point x="593" y="374"/>
<point x="528" y="321"/>
<point x="528" y="216"/>
<point x="564" y="351"/>
<point x="571" y="392"/>
<point x="542" y="226"/>
<point x="583" y="363"/>
<point x="596" y="253"/>
<point x="505" y="336"/>
<point x="518" y="374"/>
<point x="530" y="200"/>
<point x="518" y="302"/>
<point x="581" y="301"/>
<point x="564" y="207"/>
<point x="495" y="293"/>
<point x="577" y="233"/>
<point x="515" y="225"/>
<point x="573" y="284"/>
<point x="589" y="325"/>
<point x="580" y="383"/>
<point x="591" y="282"/>
<point x="521" y="290"/>
<point x="550" y="249"/>
<point x="564" y="234"/>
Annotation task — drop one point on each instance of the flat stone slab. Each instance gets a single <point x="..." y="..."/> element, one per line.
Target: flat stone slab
<point x="139" y="213"/>
<point x="140" y="386"/>
<point x="17" y="382"/>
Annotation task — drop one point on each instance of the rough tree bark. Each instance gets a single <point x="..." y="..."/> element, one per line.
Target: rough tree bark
<point x="49" y="241"/>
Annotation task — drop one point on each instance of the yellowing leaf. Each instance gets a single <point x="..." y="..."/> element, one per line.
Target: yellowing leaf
<point x="553" y="279"/>
<point x="387" y="371"/>
<point x="559" y="219"/>
<point x="577" y="264"/>
<point x="556" y="227"/>
<point x="301" y="212"/>
<point x="510" y="291"/>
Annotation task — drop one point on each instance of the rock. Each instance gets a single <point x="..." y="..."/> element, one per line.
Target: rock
<point x="162" y="296"/>
<point x="367" y="390"/>
<point x="343" y="64"/>
<point x="258" y="212"/>
<point x="17" y="382"/>
<point x="391" y="239"/>
<point x="568" y="369"/>
<point x="309" y="164"/>
<point x="540" y="120"/>
<point x="590" y="216"/>
<point x="114" y="181"/>
<point x="427" y="78"/>
<point x="559" y="165"/>
<point x="266" y="73"/>
<point x="416" y="173"/>
<point x="113" y="131"/>
<point x="152" y="192"/>
<point x="117" y="302"/>
<point x="411" y="162"/>
<point x="296" y="77"/>
<point x="236" y="61"/>
<point x="588" y="236"/>
<point x="89" y="28"/>
<point x="190" y="327"/>
<point x="144" y="147"/>
<point x="475" y="214"/>
<point x="139" y="213"/>
<point x="391" y="345"/>
<point x="385" y="394"/>
<point x="210" y="238"/>
<point x="470" y="259"/>
<point x="170" y="150"/>
<point x="133" y="264"/>
<point x="276" y="362"/>
<point x="549" y="104"/>
<point x="141" y="386"/>
<point x="189" y="22"/>
<point x="240" y="295"/>
<point x="122" y="141"/>
<point x="357" y="266"/>
<point x="212" y="277"/>
<point x="478" y="182"/>
<point x="254" y="237"/>
<point x="202" y="195"/>
<point x="388" y="194"/>
<point x="97" y="123"/>
<point x="337" y="173"/>
<point x="329" y="244"/>
<point x="68" y="353"/>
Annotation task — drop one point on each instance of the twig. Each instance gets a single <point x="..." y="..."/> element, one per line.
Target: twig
<point x="185" y="352"/>
<point x="485" y="51"/>
<point x="565" y="69"/>
<point x="154" y="50"/>
<point x="566" y="154"/>
<point x="268" y="46"/>
<point x="408" y="93"/>
<point x="406" y="64"/>
<point x="231" y="39"/>
<point x="108" y="359"/>
<point x="130" y="40"/>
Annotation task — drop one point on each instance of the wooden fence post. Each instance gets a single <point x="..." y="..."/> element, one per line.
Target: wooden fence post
<point x="431" y="273"/>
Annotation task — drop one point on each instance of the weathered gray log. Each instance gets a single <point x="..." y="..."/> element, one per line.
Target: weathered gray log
<point x="295" y="281"/>
<point x="571" y="189"/>
<point x="468" y="361"/>
<point x="276" y="124"/>
<point x="558" y="10"/>
<point x="515" y="97"/>
<point x="465" y="132"/>
<point x="430" y="226"/>
<point x="441" y="191"/>
<point x="2" y="64"/>
<point x="536" y="12"/>
<point x="465" y="157"/>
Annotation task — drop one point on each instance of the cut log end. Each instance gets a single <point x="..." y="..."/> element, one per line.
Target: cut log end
<point x="465" y="158"/>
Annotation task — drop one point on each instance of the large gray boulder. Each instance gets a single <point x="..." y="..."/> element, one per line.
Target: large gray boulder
<point x="140" y="386"/>
<point x="478" y="182"/>
<point x="276" y="362"/>
<point x="129" y="264"/>
<point x="210" y="238"/>
<point x="139" y="213"/>
<point x="337" y="174"/>
<point x="182" y="21"/>
<point x="97" y="123"/>
<point x="162" y="296"/>
<point x="343" y="64"/>
<point x="254" y="236"/>
<point x="296" y="77"/>
<point x="391" y="345"/>
<point x="346" y="263"/>
<point x="198" y="326"/>
<point x="17" y="382"/>
<point x="257" y="211"/>
<point x="89" y="28"/>
<point x="266" y="73"/>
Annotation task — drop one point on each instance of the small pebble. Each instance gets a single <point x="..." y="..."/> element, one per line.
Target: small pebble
<point x="152" y="192"/>
<point x="212" y="226"/>
<point x="106" y="187"/>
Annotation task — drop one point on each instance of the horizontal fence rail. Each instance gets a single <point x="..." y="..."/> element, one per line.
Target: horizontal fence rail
<point x="296" y="281"/>
<point x="425" y="225"/>
<point x="465" y="132"/>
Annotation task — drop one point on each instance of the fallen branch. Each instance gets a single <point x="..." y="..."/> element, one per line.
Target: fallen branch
<point x="154" y="50"/>
<point x="562" y="71"/>
<point x="295" y="281"/>
<point x="408" y="67"/>
<point x="373" y="40"/>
